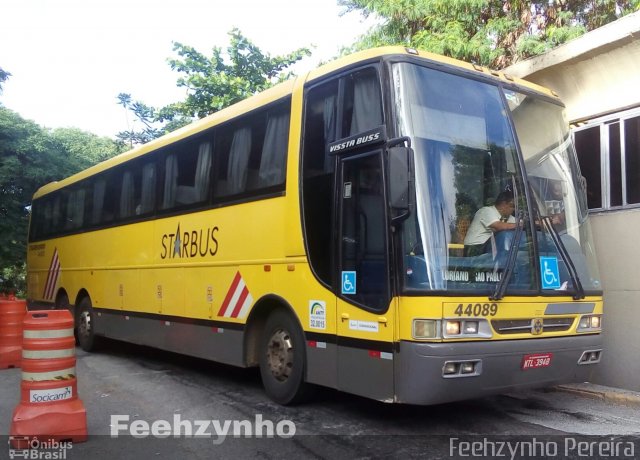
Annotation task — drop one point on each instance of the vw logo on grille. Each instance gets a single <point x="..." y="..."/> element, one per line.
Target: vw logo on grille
<point x="537" y="325"/>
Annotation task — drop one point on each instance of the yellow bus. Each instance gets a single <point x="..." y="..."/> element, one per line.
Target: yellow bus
<point x="317" y="230"/>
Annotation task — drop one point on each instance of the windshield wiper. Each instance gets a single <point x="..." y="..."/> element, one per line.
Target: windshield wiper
<point x="501" y="287"/>
<point x="562" y="250"/>
<point x="512" y="254"/>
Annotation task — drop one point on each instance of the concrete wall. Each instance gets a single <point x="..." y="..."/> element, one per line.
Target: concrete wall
<point x="598" y="84"/>
<point x="616" y="242"/>
<point x="595" y="74"/>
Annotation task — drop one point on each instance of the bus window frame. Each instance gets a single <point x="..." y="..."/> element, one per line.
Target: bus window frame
<point x="377" y="65"/>
<point x="158" y="156"/>
<point x="392" y="124"/>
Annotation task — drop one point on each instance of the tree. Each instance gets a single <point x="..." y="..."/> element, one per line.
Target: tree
<point x="4" y="75"/>
<point x="82" y="149"/>
<point x="30" y="157"/>
<point x="212" y="83"/>
<point x="146" y="115"/>
<point x="494" y="33"/>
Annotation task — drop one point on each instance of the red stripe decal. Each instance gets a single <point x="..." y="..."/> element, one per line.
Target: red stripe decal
<point x="230" y="292"/>
<point x="56" y="275"/>
<point x="52" y="276"/>
<point x="240" y="302"/>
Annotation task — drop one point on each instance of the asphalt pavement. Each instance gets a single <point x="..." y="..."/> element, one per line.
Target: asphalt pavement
<point x="127" y="389"/>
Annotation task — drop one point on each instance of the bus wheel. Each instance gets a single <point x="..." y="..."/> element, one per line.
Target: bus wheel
<point x="282" y="359"/>
<point x="85" y="325"/>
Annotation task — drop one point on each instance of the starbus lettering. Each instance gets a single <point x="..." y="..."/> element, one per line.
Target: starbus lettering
<point x="189" y="244"/>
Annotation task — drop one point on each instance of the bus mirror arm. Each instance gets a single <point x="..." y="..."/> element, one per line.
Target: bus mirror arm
<point x="405" y="141"/>
<point x="399" y="176"/>
<point x="397" y="220"/>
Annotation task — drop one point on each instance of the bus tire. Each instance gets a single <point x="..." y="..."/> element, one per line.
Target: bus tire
<point x="282" y="359"/>
<point x="85" y="325"/>
<point x="62" y="303"/>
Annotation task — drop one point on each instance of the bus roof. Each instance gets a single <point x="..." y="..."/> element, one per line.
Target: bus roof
<point x="436" y="58"/>
<point x="277" y="92"/>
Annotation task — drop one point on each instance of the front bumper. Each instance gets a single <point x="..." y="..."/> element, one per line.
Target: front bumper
<point x="419" y="367"/>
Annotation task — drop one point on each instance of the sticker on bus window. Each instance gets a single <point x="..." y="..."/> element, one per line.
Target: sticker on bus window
<point x="348" y="282"/>
<point x="549" y="273"/>
<point x="317" y="314"/>
<point x="347" y="190"/>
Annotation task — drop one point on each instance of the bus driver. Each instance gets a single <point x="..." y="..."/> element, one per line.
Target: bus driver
<point x="487" y="220"/>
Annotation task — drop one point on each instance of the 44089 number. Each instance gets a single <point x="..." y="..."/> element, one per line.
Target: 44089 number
<point x="477" y="309"/>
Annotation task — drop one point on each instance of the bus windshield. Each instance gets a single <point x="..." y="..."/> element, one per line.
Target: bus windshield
<point x="471" y="193"/>
<point x="558" y="189"/>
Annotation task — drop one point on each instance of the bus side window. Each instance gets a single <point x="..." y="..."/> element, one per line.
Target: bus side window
<point x="251" y="153"/>
<point x="187" y="175"/>
<point x="203" y="172"/>
<point x="192" y="185"/>
<point x="148" y="192"/>
<point x="111" y="203"/>
<point x="106" y="199"/>
<point x="363" y="103"/>
<point x="127" y="195"/>
<point x="42" y="218"/>
<point x="170" y="181"/>
<point x="99" y="188"/>
<point x="75" y="209"/>
<point x="336" y="109"/>
<point x="273" y="157"/>
<point x="237" y="167"/>
<point x="320" y="129"/>
<point x="318" y="170"/>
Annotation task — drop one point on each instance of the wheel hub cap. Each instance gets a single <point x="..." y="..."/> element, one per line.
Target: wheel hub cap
<point x="280" y="355"/>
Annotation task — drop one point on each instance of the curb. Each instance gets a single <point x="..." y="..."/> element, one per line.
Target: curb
<point x="603" y="393"/>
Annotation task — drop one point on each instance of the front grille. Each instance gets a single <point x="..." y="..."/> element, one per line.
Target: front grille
<point x="523" y="326"/>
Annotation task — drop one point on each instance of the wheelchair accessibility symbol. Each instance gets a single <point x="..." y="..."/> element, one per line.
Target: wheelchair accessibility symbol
<point x="549" y="273"/>
<point x="348" y="282"/>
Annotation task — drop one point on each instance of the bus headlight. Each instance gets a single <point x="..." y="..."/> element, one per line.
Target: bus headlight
<point x="590" y="323"/>
<point x="426" y="328"/>
<point x="467" y="328"/>
<point x="470" y="327"/>
<point x="452" y="328"/>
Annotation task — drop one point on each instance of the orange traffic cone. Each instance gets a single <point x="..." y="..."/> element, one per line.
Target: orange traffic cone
<point x="49" y="406"/>
<point x="11" y="314"/>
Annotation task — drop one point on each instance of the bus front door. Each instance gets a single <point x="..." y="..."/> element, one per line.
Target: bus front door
<point x="365" y="318"/>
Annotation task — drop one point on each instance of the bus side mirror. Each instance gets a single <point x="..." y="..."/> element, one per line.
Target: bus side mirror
<point x="399" y="178"/>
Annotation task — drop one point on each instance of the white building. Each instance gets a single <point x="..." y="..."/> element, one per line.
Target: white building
<point x="598" y="78"/>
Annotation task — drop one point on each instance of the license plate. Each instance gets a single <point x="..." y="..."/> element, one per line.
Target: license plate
<point x="536" y="361"/>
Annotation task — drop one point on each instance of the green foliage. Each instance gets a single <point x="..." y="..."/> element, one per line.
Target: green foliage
<point x="145" y="115"/>
<point x="495" y="33"/>
<point x="4" y="75"/>
<point x="83" y="149"/>
<point x="13" y="280"/>
<point x="212" y="83"/>
<point x="30" y="157"/>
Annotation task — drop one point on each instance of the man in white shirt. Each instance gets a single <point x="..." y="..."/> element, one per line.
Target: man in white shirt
<point x="488" y="220"/>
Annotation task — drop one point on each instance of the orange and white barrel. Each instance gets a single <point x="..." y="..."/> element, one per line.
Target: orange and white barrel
<point x="49" y="405"/>
<point x="12" y="313"/>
